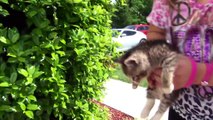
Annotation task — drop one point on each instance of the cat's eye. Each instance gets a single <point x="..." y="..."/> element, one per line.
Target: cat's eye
<point x="134" y="78"/>
<point x="143" y="74"/>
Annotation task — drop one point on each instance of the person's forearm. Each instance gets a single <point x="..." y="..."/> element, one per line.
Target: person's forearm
<point x="201" y="73"/>
<point x="184" y="71"/>
<point x="210" y="81"/>
<point x="155" y="33"/>
<point x="201" y="70"/>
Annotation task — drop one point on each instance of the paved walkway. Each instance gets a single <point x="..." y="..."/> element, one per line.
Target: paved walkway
<point x="121" y="96"/>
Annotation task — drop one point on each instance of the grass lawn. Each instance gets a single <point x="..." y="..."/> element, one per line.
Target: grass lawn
<point x="119" y="75"/>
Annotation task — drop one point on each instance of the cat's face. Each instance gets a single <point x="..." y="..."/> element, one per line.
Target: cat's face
<point x="135" y="66"/>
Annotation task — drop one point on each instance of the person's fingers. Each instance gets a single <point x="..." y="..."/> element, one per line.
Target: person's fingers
<point x="157" y="71"/>
<point x="181" y="74"/>
<point x="157" y="75"/>
<point x="154" y="78"/>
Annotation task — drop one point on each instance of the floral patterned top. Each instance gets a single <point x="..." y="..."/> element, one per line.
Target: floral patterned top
<point x="189" y="26"/>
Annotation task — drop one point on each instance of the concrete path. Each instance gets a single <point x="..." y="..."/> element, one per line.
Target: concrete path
<point x="121" y="96"/>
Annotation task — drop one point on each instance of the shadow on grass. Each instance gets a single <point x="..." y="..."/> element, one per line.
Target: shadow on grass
<point x="119" y="75"/>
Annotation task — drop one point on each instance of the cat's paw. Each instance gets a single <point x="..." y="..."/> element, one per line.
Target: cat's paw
<point x="168" y="90"/>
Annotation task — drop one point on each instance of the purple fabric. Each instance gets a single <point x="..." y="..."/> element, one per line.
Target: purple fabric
<point x="193" y="44"/>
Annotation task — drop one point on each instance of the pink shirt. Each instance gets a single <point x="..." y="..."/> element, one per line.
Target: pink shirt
<point x="191" y="28"/>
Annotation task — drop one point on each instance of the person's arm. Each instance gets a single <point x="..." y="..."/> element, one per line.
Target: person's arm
<point x="184" y="67"/>
<point x="182" y="74"/>
<point x="184" y="71"/>
<point x="155" y="33"/>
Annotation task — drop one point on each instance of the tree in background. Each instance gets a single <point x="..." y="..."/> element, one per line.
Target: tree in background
<point x="132" y="12"/>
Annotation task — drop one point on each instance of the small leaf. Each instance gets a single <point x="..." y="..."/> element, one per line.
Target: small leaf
<point x="4" y="40"/>
<point x="15" y="37"/>
<point x="31" y="89"/>
<point x="4" y="1"/>
<point x="74" y="1"/>
<point x="22" y="106"/>
<point x="12" y="55"/>
<point x="29" y="114"/>
<point x="31" y="70"/>
<point x="4" y="107"/>
<point x="32" y="107"/>
<point x="52" y="35"/>
<point x="15" y="87"/>
<point x="63" y="41"/>
<point x="43" y="24"/>
<point x="13" y="77"/>
<point x="29" y="80"/>
<point x="65" y="95"/>
<point x="31" y="97"/>
<point x="21" y="59"/>
<point x="63" y="104"/>
<point x="7" y="108"/>
<point x="4" y="12"/>
<point x="4" y="78"/>
<point x="37" y="74"/>
<point x="4" y="84"/>
<point x="3" y="66"/>
<point x="3" y="32"/>
<point x="23" y="72"/>
<point x="61" y="53"/>
<point x="32" y="13"/>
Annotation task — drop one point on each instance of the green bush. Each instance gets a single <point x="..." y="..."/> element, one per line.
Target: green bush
<point x="54" y="58"/>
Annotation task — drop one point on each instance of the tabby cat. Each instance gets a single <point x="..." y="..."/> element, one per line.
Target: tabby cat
<point x="137" y="63"/>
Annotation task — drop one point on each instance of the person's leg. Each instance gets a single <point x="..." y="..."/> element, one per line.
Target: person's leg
<point x="174" y="115"/>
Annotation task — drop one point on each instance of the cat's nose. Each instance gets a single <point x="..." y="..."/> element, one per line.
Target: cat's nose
<point x="134" y="78"/>
<point x="134" y="84"/>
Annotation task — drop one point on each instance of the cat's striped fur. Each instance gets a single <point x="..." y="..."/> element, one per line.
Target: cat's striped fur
<point x="143" y="58"/>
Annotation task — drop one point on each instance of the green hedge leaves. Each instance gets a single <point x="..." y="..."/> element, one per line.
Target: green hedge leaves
<point x="54" y="58"/>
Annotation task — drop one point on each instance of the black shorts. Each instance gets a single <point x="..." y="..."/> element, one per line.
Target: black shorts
<point x="174" y="115"/>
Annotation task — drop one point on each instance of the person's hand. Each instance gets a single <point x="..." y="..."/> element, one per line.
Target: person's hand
<point x="181" y="76"/>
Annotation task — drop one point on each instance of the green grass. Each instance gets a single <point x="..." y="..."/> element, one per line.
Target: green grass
<point x="119" y="75"/>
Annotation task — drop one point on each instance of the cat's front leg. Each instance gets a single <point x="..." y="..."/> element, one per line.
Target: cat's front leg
<point x="164" y="105"/>
<point x="147" y="108"/>
<point x="167" y="79"/>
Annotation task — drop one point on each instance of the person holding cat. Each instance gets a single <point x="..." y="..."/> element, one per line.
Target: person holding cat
<point x="187" y="25"/>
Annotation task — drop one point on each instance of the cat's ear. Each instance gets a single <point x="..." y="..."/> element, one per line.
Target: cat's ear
<point x="131" y="62"/>
<point x="119" y="60"/>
